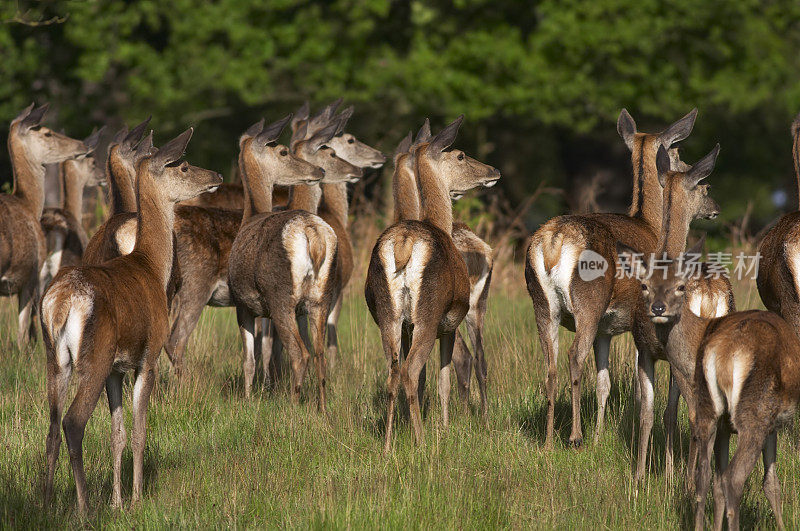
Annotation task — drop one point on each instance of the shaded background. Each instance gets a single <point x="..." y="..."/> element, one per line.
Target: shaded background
<point x="541" y="83"/>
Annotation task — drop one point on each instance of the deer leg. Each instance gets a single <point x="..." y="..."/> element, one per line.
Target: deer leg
<point x="705" y="433"/>
<point x="288" y="332"/>
<point x="446" y="344"/>
<point x="772" y="487"/>
<point x="475" y="331"/>
<point x="247" y="325"/>
<point x="721" y="453"/>
<point x="26" y="331"/>
<point x="59" y="368"/>
<point x="118" y="436"/>
<point x="407" y="334"/>
<point x="585" y="332"/>
<point x="670" y="424"/>
<point x="332" y="336"/>
<point x="143" y="386"/>
<point x="646" y="372"/>
<point x="462" y="362"/>
<point x="75" y="425"/>
<point x="266" y="334"/>
<point x="187" y="311"/>
<point x="317" y="316"/>
<point x="602" y="349"/>
<point x="548" y="339"/>
<point x="422" y="343"/>
<point x="391" y="338"/>
<point x="749" y="446"/>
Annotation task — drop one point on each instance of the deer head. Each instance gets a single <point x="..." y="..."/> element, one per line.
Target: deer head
<point x="349" y="148"/>
<point x="276" y="160"/>
<point x="684" y="188"/>
<point x="178" y="179"/>
<point x="41" y="144"/>
<point x="318" y="152"/>
<point x="457" y="171"/>
<point x="128" y="148"/>
<point x="85" y="167"/>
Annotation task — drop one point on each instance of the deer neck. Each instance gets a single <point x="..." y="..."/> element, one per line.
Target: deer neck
<point x="682" y="344"/>
<point x="647" y="196"/>
<point x="72" y="185"/>
<point x="120" y="185"/>
<point x="334" y="201"/>
<point x="305" y="197"/>
<point x="156" y="217"/>
<point x="28" y="176"/>
<point x="435" y="205"/>
<point x="674" y="228"/>
<point x="404" y="190"/>
<point x="257" y="185"/>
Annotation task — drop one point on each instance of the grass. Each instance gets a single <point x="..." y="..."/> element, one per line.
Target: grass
<point x="215" y="459"/>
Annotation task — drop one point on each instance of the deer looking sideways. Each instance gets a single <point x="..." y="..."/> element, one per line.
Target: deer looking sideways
<point x="477" y="256"/>
<point x="740" y="373"/>
<point x="417" y="282"/>
<point x="30" y="146"/>
<point x="105" y="320"/>
<point x="603" y="307"/>
<point x="63" y="227"/>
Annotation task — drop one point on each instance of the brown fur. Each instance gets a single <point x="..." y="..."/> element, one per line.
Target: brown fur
<point x="121" y="316"/>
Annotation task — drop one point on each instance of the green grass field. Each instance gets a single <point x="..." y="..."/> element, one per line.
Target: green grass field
<point x="216" y="459"/>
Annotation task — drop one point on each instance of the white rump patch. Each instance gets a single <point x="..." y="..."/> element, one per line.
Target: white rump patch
<point x="126" y="236"/>
<point x="405" y="285"/>
<point x="304" y="282"/>
<point x="556" y="284"/>
<point x="710" y="368"/>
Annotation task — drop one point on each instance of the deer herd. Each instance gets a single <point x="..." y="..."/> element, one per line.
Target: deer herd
<point x="178" y="239"/>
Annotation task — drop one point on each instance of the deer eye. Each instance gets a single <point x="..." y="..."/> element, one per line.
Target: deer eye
<point x="184" y="168"/>
<point x="284" y="152"/>
<point x="333" y="155"/>
<point x="681" y="288"/>
<point x="461" y="156"/>
<point x="644" y="287"/>
<point x="350" y="140"/>
<point x="708" y="188"/>
<point x="48" y="134"/>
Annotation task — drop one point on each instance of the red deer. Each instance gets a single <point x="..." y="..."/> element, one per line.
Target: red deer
<point x="63" y="227"/>
<point x="102" y="321"/>
<point x="30" y="146"/>
<point x="417" y="282"/>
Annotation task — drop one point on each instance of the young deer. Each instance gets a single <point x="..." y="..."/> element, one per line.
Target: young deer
<point x="30" y="146"/>
<point x="281" y="263"/>
<point x="63" y="227"/>
<point x="417" y="283"/>
<point x="740" y="374"/>
<point x="103" y="321"/>
<point x="598" y="309"/>
<point x="779" y="269"/>
<point x="477" y="255"/>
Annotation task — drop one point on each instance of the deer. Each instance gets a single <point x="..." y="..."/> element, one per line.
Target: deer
<point x="740" y="374"/>
<point x="477" y="255"/>
<point x="778" y="278"/>
<point x="102" y="321"/>
<point x="63" y="227"/>
<point x="281" y="263"/>
<point x="601" y="306"/>
<point x="417" y="283"/>
<point x="30" y="146"/>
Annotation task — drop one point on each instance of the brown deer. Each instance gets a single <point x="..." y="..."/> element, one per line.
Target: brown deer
<point x="63" y="227"/>
<point x="105" y="320"/>
<point x="779" y="268"/>
<point x="281" y="263"/>
<point x="22" y="245"/>
<point x="599" y="307"/>
<point x="417" y="283"/>
<point x="740" y="374"/>
<point x="477" y="255"/>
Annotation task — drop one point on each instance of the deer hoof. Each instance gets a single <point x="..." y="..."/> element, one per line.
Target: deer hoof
<point x="577" y="443"/>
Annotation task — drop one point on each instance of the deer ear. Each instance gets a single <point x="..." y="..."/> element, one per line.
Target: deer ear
<point x="631" y="262"/>
<point x="300" y="115"/>
<point x="679" y="130"/>
<point x="404" y="145"/>
<point x="93" y="139"/>
<point x="322" y="137"/>
<point x="662" y="165"/>
<point x="145" y="148"/>
<point x="424" y="133"/>
<point x="173" y="150"/>
<point x="254" y="129"/>
<point x="330" y="110"/>
<point x="34" y="117"/>
<point x="25" y="112"/>
<point x="446" y="137"/>
<point x="120" y="135"/>
<point x="299" y="134"/>
<point x="702" y="168"/>
<point x="343" y="118"/>
<point x="273" y="131"/>
<point x="133" y="138"/>
<point x="626" y="128"/>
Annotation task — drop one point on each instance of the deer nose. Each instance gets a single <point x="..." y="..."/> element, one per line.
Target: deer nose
<point x="658" y="308"/>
